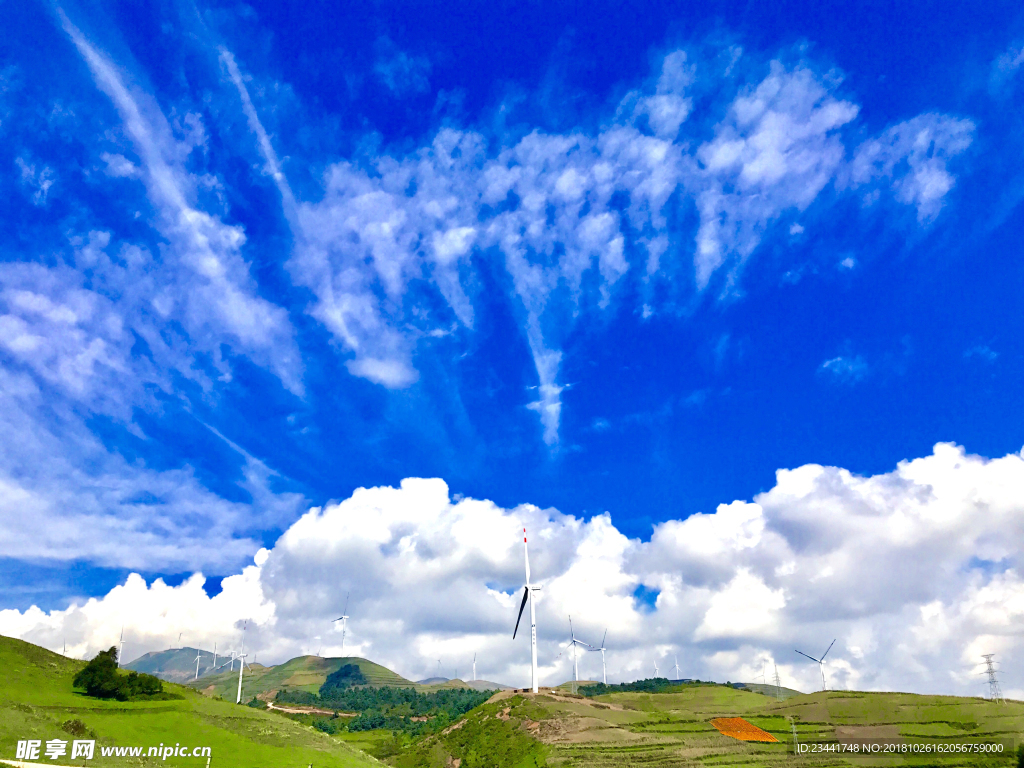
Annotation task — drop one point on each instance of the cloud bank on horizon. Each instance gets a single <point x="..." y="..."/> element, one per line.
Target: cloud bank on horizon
<point x="916" y="572"/>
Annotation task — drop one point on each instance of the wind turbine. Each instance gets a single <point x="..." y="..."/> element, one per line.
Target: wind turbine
<point x="120" y="647"/>
<point x="199" y="653"/>
<point x="677" y="667"/>
<point x="602" y="649"/>
<point x="820" y="662"/>
<point x="528" y="590"/>
<point x="655" y="667"/>
<point x="241" y="665"/>
<point x="474" y="666"/>
<point x="214" y="655"/>
<point x="574" y="642"/>
<point x="344" y="624"/>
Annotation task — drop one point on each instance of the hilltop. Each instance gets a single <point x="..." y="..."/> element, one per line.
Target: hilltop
<point x="37" y="702"/>
<point x="303" y="673"/>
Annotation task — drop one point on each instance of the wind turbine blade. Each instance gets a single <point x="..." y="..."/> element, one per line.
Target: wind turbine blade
<point x="816" y="661"/>
<point x="526" y="555"/>
<point x="604" y="638"/>
<point x="345" y="612"/>
<point x="826" y="652"/>
<point x="526" y="594"/>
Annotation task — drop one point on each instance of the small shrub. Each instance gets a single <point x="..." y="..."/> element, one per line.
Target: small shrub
<point x="75" y="727"/>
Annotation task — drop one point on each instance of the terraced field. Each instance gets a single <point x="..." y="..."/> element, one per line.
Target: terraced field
<point x="674" y="729"/>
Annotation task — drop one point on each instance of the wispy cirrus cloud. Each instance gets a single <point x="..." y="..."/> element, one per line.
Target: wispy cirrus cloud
<point x="576" y="220"/>
<point x="207" y="285"/>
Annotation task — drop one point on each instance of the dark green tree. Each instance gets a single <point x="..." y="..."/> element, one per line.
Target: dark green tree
<point x="102" y="679"/>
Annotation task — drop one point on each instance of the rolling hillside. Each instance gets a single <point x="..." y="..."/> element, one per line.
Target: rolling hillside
<point x="304" y="673"/>
<point x="664" y="730"/>
<point x="37" y="702"/>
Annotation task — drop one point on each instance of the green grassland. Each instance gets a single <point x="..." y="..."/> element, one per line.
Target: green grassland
<point x="36" y="700"/>
<point x="557" y="729"/>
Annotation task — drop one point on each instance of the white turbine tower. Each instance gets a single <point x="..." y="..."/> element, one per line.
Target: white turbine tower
<point x="573" y="642"/>
<point x="677" y="667"/>
<point x="241" y="666"/>
<point x="120" y="647"/>
<point x="655" y="667"/>
<point x="199" y="653"/>
<point x="474" y="666"/>
<point x="344" y="624"/>
<point x="820" y="662"/>
<point x="528" y="590"/>
<point x="602" y="649"/>
<point x="214" y="655"/>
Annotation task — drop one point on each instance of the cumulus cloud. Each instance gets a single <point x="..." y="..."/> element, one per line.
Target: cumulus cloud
<point x="915" y="571"/>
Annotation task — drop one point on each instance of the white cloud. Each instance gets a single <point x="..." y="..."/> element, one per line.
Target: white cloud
<point x="914" y="156"/>
<point x="777" y="149"/>
<point x="37" y="180"/>
<point x="206" y="282"/>
<point x="399" y="72"/>
<point x="888" y="564"/>
<point x="570" y="215"/>
<point x="1005" y="68"/>
<point x="845" y="368"/>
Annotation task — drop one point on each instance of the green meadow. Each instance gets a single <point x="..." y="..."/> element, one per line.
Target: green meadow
<point x="37" y="702"/>
<point x="620" y="730"/>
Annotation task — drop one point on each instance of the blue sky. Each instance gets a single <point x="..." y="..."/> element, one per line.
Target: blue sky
<point x="596" y="259"/>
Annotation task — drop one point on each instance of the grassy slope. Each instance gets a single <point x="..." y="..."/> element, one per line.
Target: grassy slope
<point x="36" y="698"/>
<point x="304" y="673"/>
<point x="672" y="729"/>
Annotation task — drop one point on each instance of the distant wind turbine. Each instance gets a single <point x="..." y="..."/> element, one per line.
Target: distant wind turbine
<point x="120" y="647"/>
<point x="655" y="667"/>
<point x="820" y="662"/>
<point x="602" y="649"/>
<point x="214" y="655"/>
<point x="474" y="666"/>
<point x="199" y="653"/>
<point x="677" y="667"/>
<point x="528" y="590"/>
<point x="344" y="624"/>
<point x="573" y="642"/>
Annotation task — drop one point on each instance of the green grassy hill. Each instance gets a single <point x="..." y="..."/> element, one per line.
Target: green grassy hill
<point x="303" y="673"/>
<point x="37" y="702"/>
<point x="556" y="729"/>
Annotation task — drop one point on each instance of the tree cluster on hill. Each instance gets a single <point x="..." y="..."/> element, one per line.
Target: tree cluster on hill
<point x="341" y="679"/>
<point x="650" y="685"/>
<point x="396" y="709"/>
<point x="101" y="678"/>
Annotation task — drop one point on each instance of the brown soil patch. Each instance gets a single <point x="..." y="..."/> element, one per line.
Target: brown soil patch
<point x="738" y="728"/>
